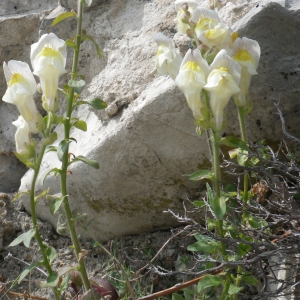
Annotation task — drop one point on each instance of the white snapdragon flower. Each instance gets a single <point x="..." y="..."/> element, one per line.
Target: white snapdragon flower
<point x="247" y="53"/>
<point x="167" y="60"/>
<point x="22" y="135"/>
<point x="48" y="59"/>
<point x="222" y="83"/>
<point x="192" y="5"/>
<point x="210" y="30"/>
<point x="21" y="86"/>
<point x="191" y="79"/>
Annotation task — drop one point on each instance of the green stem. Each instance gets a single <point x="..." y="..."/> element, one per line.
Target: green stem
<point x="241" y="117"/>
<point x="65" y="160"/>
<point x="38" y="237"/>
<point x="226" y="287"/>
<point x="217" y="179"/>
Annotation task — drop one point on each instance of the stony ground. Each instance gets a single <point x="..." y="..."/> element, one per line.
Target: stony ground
<point x="134" y="252"/>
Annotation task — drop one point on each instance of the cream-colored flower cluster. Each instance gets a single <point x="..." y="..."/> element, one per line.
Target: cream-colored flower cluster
<point x="48" y="59"/>
<point x="220" y="66"/>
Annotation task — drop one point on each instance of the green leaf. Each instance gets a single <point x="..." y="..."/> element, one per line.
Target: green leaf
<point x="98" y="50"/>
<point x="255" y="222"/>
<point x="208" y="281"/>
<point x="177" y="297"/>
<point x="54" y="170"/>
<point x="87" y="3"/>
<point x="77" y="85"/>
<point x="201" y="174"/>
<point x="51" y="254"/>
<point x="24" y="238"/>
<point x="242" y="158"/>
<point x="16" y="197"/>
<point x="199" y="203"/>
<point x="233" y="153"/>
<point x="28" y="270"/>
<point x="90" y="162"/>
<point x="218" y="206"/>
<point x="52" y="280"/>
<point x="57" y="119"/>
<point x="234" y="142"/>
<point x="234" y="289"/>
<point x="204" y="244"/>
<point x="23" y="159"/>
<point x="51" y="148"/>
<point x="254" y="160"/>
<point x="249" y="278"/>
<point x="210" y="195"/>
<point x="55" y="204"/>
<point x="70" y="44"/>
<point x="81" y="125"/>
<point x="64" y="284"/>
<point x="211" y="224"/>
<point x="62" y="148"/>
<point x="43" y="194"/>
<point x="51" y="138"/>
<point x="64" y="16"/>
<point x="96" y="103"/>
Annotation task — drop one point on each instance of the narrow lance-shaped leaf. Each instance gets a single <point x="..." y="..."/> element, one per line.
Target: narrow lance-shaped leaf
<point x="54" y="170"/>
<point x="70" y="43"/>
<point x="16" y="197"/>
<point x="23" y="159"/>
<point x="24" y="238"/>
<point x="233" y="142"/>
<point x="56" y="203"/>
<point x="43" y="194"/>
<point x="95" y="103"/>
<point x="90" y="162"/>
<point x="98" y="50"/>
<point x="28" y="270"/>
<point x="201" y="174"/>
<point x="63" y="16"/>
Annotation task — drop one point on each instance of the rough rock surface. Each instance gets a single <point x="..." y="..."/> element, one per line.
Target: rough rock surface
<point x="147" y="140"/>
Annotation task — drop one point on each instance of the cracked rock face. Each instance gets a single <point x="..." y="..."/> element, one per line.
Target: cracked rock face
<point x="145" y="140"/>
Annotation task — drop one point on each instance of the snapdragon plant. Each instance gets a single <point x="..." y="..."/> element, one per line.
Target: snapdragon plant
<point x="219" y="68"/>
<point x="48" y="60"/>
